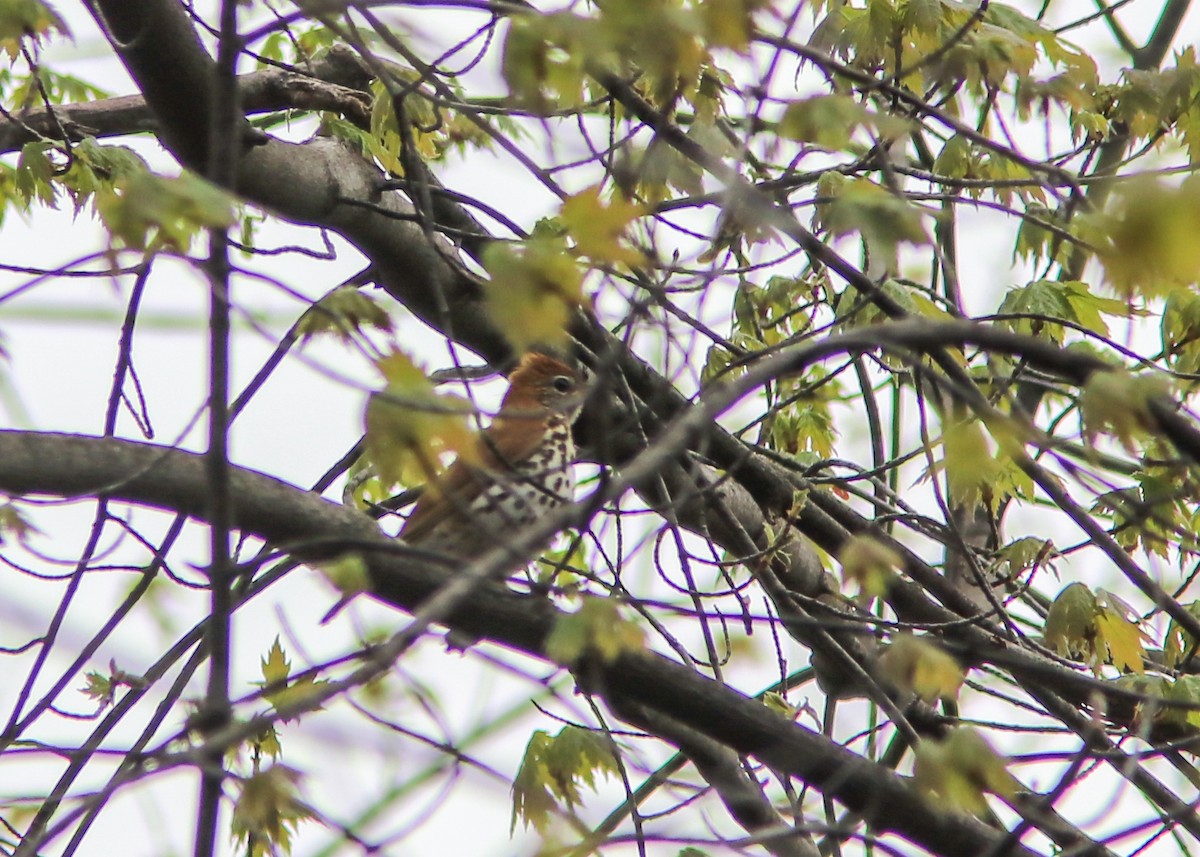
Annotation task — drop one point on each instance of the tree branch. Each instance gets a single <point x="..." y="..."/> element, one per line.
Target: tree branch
<point x="75" y="466"/>
<point x="336" y="82"/>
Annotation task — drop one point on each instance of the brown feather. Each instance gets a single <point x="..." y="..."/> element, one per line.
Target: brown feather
<point x="515" y="434"/>
<point x="461" y="482"/>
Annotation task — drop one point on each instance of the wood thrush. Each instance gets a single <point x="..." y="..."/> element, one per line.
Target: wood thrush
<point x="520" y="472"/>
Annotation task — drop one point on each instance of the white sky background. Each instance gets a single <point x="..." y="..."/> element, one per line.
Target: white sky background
<point x="62" y="337"/>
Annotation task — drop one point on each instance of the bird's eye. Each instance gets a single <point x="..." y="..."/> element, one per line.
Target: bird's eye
<point x="562" y="384"/>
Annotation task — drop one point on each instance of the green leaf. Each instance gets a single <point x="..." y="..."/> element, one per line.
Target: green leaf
<point x="1009" y="177"/>
<point x="277" y="689"/>
<point x="14" y="524"/>
<point x="1181" y="330"/>
<point x="1148" y="236"/>
<point x="1089" y="125"/>
<point x="100" y="688"/>
<point x="576" y="757"/>
<point x="1035" y="240"/>
<point x="918" y="666"/>
<point x="1184" y="689"/>
<point x="1136" y="518"/>
<point x="410" y="426"/>
<point x="596" y="628"/>
<point x="717" y="363"/>
<point x="959" y="770"/>
<point x="869" y="563"/>
<point x="883" y="218"/>
<point x="991" y="52"/>
<point x="26" y="18"/>
<point x="314" y="40"/>
<point x="544" y="58"/>
<point x="1071" y="622"/>
<point x="343" y="312"/>
<point x="661" y="39"/>
<point x="975" y="471"/>
<point x="1089" y="308"/>
<point x="1121" y="639"/>
<point x="146" y="211"/>
<point x="103" y="687"/>
<point x="34" y="177"/>
<point x="1118" y="403"/>
<point x="957" y="159"/>
<point x="532" y="800"/>
<point x="1187" y="127"/>
<point x="729" y="23"/>
<point x="275" y="666"/>
<point x="268" y="743"/>
<point x="1097" y="628"/>
<point x="1047" y="301"/>
<point x="806" y="427"/>
<point x="563" y="568"/>
<point x="48" y="85"/>
<point x="830" y="121"/>
<point x="778" y="703"/>
<point x="854" y="309"/>
<point x="921" y="15"/>
<point x="95" y="168"/>
<point x="364" y="142"/>
<point x="347" y="572"/>
<point x="267" y="811"/>
<point x="660" y="167"/>
<point x="533" y="289"/>
<point x="1028" y="552"/>
<point x="554" y="769"/>
<point x="598" y="228"/>
<point x="1179" y="646"/>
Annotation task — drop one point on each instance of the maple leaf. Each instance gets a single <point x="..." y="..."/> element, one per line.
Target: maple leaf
<point x="918" y="666"/>
<point x="1119" y="403"/>
<point x="267" y="811"/>
<point x="554" y="768"/>
<point x="599" y="228"/>
<point x="409" y="425"/>
<point x="532" y="290"/>
<point x="597" y="627"/>
<point x="960" y="770"/>
<point x="277" y="690"/>
<point x="870" y="563"/>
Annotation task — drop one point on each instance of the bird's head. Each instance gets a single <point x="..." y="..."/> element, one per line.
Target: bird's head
<point x="541" y="383"/>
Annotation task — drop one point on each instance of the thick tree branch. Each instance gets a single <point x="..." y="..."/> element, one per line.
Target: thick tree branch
<point x="334" y="82"/>
<point x="73" y="466"/>
<point x="323" y="183"/>
<point x="320" y="182"/>
<point x="742" y="796"/>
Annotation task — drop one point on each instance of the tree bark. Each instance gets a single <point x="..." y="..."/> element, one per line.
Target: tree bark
<point x="314" y="528"/>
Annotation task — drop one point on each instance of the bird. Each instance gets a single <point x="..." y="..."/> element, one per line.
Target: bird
<point x="520" y="472"/>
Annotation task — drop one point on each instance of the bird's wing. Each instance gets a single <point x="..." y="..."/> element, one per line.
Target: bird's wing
<point x="504" y="442"/>
<point x="457" y="486"/>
